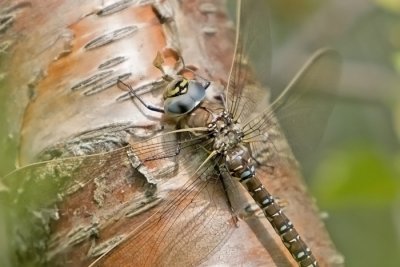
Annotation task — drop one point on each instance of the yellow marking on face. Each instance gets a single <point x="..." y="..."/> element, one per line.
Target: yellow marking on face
<point x="183" y="83"/>
<point x="173" y="91"/>
<point x="184" y="86"/>
<point x="180" y="89"/>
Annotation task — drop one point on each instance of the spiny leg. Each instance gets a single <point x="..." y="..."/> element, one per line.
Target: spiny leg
<point x="133" y="94"/>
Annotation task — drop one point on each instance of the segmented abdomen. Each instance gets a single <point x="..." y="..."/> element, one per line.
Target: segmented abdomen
<point x="282" y="225"/>
<point x="241" y="165"/>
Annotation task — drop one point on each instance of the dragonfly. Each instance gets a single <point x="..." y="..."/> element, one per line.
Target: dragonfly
<point x="214" y="144"/>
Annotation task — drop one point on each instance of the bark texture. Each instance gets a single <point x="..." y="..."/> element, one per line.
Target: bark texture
<point x="65" y="60"/>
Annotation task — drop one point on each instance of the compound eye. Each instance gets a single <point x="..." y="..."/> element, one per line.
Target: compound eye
<point x="183" y="97"/>
<point x="180" y="87"/>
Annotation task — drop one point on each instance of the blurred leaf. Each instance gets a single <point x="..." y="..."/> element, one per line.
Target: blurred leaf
<point x="391" y="5"/>
<point x="358" y="175"/>
<point x="291" y="11"/>
<point x="396" y="61"/>
<point x="396" y="119"/>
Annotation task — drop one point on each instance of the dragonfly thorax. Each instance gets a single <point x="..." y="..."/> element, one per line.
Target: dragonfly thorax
<point x="227" y="132"/>
<point x="228" y="135"/>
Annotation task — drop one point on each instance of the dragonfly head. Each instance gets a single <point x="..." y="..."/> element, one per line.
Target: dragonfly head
<point x="182" y="95"/>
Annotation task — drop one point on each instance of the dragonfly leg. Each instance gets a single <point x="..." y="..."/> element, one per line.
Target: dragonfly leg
<point x="134" y="95"/>
<point x="225" y="177"/>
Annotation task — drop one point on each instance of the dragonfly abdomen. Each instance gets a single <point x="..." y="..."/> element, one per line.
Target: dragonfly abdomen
<point x="241" y="165"/>
<point x="279" y="221"/>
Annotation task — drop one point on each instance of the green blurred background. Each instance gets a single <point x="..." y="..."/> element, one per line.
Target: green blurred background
<point x="357" y="181"/>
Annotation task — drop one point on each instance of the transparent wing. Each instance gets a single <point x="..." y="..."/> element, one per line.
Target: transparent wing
<point x="307" y="102"/>
<point x="304" y="106"/>
<point x="180" y="223"/>
<point x="184" y="233"/>
<point x="255" y="38"/>
<point x="252" y="44"/>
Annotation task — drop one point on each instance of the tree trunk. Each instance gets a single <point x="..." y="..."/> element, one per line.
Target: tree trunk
<point x="64" y="61"/>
